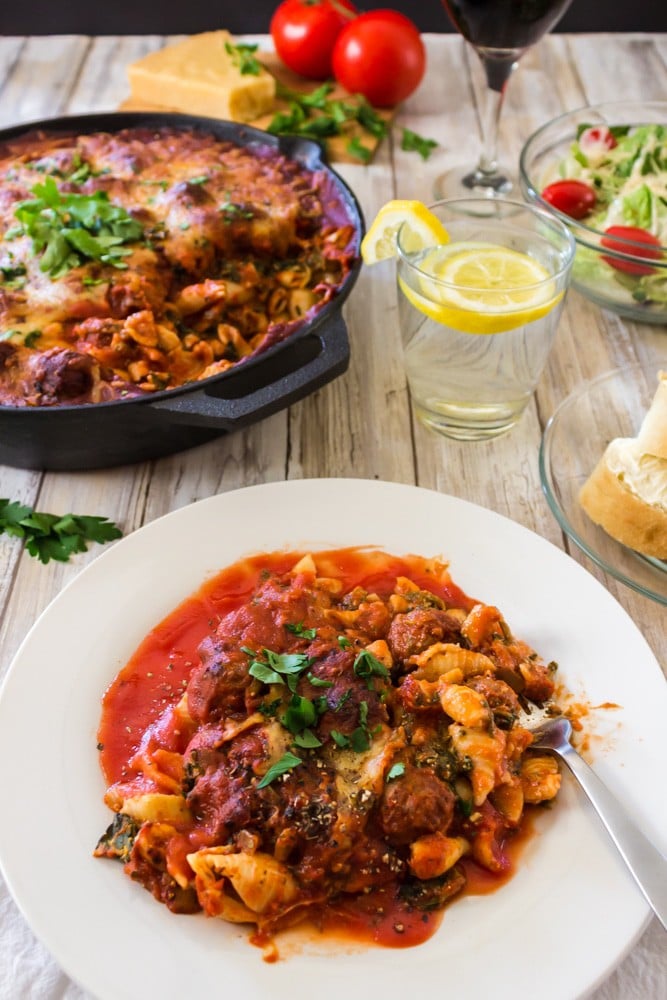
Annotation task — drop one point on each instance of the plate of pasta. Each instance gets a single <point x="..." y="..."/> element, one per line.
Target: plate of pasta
<point x="311" y="735"/>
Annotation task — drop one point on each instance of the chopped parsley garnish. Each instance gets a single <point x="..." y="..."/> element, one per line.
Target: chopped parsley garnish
<point x="366" y="666"/>
<point x="69" y="229"/>
<point x="269" y="708"/>
<point x="233" y="211"/>
<point x="318" y="682"/>
<point x="395" y="771"/>
<point x="298" y="629"/>
<point x="287" y="762"/>
<point x="10" y="272"/>
<point x="300" y="714"/>
<point x="307" y="739"/>
<point x="50" y="536"/>
<point x="28" y="339"/>
<point x="31" y="338"/>
<point x="358" y="740"/>
<point x="274" y="667"/>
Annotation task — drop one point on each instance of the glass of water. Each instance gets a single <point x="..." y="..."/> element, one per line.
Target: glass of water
<point x="478" y="314"/>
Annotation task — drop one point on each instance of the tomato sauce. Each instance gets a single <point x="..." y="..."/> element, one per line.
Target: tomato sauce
<point x="140" y="705"/>
<point x="158" y="672"/>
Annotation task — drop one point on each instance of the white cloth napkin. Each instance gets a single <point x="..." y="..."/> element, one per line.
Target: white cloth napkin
<point x="27" y="971"/>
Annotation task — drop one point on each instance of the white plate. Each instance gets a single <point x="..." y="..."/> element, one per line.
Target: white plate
<point x="556" y="930"/>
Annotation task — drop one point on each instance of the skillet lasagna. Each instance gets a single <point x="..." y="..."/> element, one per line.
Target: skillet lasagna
<point x="144" y="259"/>
<point x="334" y="738"/>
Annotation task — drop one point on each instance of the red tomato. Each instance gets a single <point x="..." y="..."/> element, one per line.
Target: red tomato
<point x="596" y="140"/>
<point x="304" y="33"/>
<point x="573" y="198"/>
<point x="381" y="55"/>
<point x="614" y="239"/>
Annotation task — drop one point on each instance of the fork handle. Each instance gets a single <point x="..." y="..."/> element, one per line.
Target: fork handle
<point x="647" y="865"/>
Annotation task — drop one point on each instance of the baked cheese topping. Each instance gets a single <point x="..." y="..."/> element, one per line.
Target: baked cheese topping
<point x="642" y="474"/>
<point x="144" y="259"/>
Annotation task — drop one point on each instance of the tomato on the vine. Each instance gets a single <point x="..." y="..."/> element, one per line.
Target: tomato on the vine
<point x="304" y="33"/>
<point x="381" y="55"/>
<point x="624" y="239"/>
<point x="573" y="198"/>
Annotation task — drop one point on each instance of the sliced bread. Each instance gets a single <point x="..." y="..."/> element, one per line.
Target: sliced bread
<point x="626" y="494"/>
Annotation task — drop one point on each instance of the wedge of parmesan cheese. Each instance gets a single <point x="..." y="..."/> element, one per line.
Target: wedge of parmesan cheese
<point x="201" y="76"/>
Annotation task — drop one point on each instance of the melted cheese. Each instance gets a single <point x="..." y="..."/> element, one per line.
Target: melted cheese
<point x="199" y="76"/>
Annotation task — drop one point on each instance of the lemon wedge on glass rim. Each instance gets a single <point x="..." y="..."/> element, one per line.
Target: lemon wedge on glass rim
<point x="474" y="287"/>
<point x="422" y="229"/>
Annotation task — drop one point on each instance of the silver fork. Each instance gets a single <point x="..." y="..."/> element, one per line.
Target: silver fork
<point x="647" y="865"/>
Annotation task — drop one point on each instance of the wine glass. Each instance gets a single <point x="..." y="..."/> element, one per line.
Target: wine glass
<point x="500" y="31"/>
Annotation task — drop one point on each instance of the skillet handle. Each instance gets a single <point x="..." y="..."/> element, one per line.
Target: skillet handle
<point x="267" y="387"/>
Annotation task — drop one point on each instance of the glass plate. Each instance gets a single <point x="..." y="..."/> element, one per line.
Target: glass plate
<point x="609" y="406"/>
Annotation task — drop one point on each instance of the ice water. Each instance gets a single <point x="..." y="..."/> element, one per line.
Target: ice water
<point x="470" y="385"/>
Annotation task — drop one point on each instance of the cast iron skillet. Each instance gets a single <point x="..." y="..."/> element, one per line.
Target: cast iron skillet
<point x="100" y="435"/>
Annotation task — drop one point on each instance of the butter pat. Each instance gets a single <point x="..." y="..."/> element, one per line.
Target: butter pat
<point x="199" y="76"/>
<point x="642" y="474"/>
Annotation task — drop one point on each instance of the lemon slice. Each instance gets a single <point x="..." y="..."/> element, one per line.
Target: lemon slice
<point x="482" y="288"/>
<point x="422" y="230"/>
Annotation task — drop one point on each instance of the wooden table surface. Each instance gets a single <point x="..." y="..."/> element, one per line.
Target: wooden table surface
<point x="360" y="425"/>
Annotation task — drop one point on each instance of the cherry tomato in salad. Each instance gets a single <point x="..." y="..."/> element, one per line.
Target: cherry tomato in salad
<point x="624" y="239"/>
<point x="381" y="55"/>
<point x="573" y="198"/>
<point x="595" y="141"/>
<point x="304" y="33"/>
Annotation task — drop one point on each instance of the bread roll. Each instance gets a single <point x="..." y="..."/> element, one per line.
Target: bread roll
<point x="626" y="494"/>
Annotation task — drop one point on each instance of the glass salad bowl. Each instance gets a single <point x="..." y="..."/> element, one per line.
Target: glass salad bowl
<point x="602" y="170"/>
<point x="609" y="406"/>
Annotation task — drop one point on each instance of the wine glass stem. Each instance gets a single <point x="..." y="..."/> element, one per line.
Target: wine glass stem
<point x="498" y="64"/>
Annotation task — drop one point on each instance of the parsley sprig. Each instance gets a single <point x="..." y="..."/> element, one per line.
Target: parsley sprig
<point x="287" y="762"/>
<point x="243" y="57"/>
<point x="412" y="142"/>
<point x="68" y="229"/>
<point x="51" y="536"/>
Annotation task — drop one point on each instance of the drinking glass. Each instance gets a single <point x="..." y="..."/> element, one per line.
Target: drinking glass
<point x="474" y="354"/>
<point x="499" y="31"/>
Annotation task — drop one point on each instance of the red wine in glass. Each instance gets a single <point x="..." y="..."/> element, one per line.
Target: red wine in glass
<point x="499" y="31"/>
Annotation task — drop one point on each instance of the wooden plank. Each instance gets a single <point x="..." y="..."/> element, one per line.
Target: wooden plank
<point x="103" y="76"/>
<point x="40" y="83"/>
